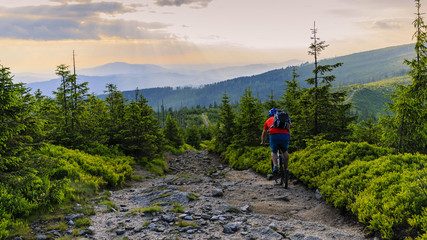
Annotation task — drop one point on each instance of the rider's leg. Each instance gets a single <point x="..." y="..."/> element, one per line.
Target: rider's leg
<point x="274" y="158"/>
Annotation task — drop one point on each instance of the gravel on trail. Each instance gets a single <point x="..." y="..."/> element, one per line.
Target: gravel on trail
<point x="202" y="198"/>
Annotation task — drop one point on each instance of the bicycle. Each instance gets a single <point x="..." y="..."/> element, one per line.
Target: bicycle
<point x="283" y="172"/>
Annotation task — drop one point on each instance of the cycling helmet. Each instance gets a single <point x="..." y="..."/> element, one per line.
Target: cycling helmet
<point x="272" y="111"/>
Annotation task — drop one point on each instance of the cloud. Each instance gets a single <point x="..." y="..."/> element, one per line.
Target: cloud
<point x="80" y="10"/>
<point x="178" y="3"/>
<point x="59" y="29"/>
<point x="386" y="24"/>
<point x="71" y="1"/>
<point x="389" y="24"/>
<point x="80" y="20"/>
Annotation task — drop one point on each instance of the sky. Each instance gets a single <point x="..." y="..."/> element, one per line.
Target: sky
<point x="38" y="35"/>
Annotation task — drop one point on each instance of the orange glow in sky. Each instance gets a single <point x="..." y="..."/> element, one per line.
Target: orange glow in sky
<point x="38" y="35"/>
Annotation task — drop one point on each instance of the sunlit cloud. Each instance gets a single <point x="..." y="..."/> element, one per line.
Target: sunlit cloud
<point x="194" y="31"/>
<point x="82" y="20"/>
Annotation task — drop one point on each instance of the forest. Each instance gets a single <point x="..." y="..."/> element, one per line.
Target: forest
<point x="61" y="150"/>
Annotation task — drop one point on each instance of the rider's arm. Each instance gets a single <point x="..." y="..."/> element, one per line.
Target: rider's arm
<point x="263" y="136"/>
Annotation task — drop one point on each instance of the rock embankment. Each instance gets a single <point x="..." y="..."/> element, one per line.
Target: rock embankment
<point x="203" y="199"/>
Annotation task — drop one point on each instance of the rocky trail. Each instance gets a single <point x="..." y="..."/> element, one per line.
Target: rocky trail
<point x="201" y="198"/>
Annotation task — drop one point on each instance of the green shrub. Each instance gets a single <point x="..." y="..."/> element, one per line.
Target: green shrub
<point x="182" y="223"/>
<point x="249" y="157"/>
<point x="109" y="204"/>
<point x="82" y="222"/>
<point x="383" y="190"/>
<point x="151" y="209"/>
<point x="174" y="150"/>
<point x="52" y="175"/>
<point x="192" y="196"/>
<point x="156" y="166"/>
<point x="80" y="166"/>
<point x="177" y="208"/>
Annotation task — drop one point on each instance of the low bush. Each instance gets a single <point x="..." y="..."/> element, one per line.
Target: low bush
<point x="243" y="158"/>
<point x="384" y="190"/>
<point x="52" y="175"/>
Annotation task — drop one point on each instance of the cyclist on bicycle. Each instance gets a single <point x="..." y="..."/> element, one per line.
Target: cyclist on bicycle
<point x="279" y="138"/>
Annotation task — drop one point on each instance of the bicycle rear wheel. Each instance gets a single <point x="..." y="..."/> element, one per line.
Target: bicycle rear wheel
<point x="284" y="174"/>
<point x="286" y="177"/>
<point x="275" y="174"/>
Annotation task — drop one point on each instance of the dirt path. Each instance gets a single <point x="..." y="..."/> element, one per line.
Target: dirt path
<point x="205" y="119"/>
<point x="351" y="95"/>
<point x="230" y="204"/>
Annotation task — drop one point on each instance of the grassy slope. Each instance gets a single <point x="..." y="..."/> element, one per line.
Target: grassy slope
<point x="370" y="99"/>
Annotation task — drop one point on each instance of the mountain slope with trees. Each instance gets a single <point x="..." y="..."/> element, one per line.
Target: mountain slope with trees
<point x="358" y="68"/>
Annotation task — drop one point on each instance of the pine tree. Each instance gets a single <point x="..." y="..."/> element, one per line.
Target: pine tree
<point x="291" y="94"/>
<point x="291" y="101"/>
<point x="192" y="136"/>
<point x="173" y="133"/>
<point x="140" y="134"/>
<point x="15" y="112"/>
<point x="70" y="99"/>
<point x="271" y="102"/>
<point x="418" y="64"/>
<point x="226" y="125"/>
<point x="322" y="112"/>
<point x="319" y="76"/>
<point x="249" y="122"/>
<point x="407" y="130"/>
<point x="116" y="110"/>
<point x="94" y="131"/>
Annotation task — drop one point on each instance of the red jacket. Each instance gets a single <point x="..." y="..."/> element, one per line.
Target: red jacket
<point x="269" y="123"/>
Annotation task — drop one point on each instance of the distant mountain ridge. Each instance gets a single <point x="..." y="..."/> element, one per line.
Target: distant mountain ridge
<point x="144" y="76"/>
<point x="358" y="68"/>
<point x="118" y="68"/>
<point x="192" y="86"/>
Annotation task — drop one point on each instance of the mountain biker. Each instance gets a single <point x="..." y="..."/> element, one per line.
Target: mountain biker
<point x="278" y="138"/>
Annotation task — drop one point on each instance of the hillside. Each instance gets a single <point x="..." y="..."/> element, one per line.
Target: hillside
<point x="358" y="68"/>
<point x="370" y="99"/>
<point x="144" y="76"/>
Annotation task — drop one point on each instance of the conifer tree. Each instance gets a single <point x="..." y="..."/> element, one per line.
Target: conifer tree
<point x="192" y="136"/>
<point x="271" y="102"/>
<point x="291" y="101"/>
<point x="116" y="110"/>
<point x="322" y="112"/>
<point x="406" y="131"/>
<point x="292" y="94"/>
<point x="94" y="128"/>
<point x="15" y="109"/>
<point x="140" y="134"/>
<point x="70" y="99"/>
<point x="249" y="121"/>
<point x="173" y="133"/>
<point x="319" y="72"/>
<point x="226" y="124"/>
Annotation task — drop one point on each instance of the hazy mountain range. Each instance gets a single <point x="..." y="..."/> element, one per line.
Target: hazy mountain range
<point x="357" y="68"/>
<point x="143" y="76"/>
<point x="191" y="85"/>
